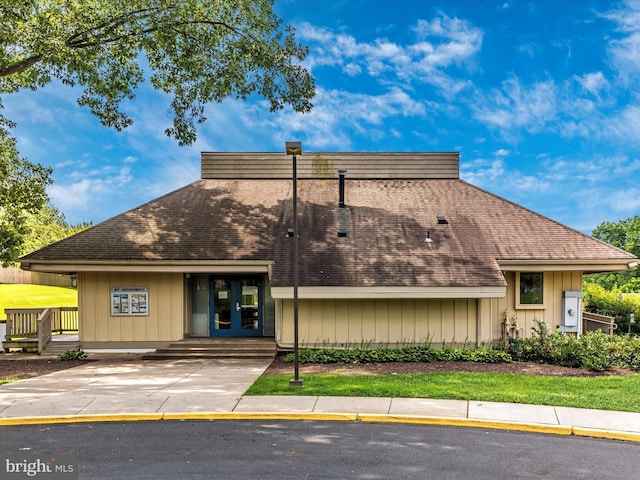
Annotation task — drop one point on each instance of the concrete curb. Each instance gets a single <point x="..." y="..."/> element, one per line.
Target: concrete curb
<point x="344" y="417"/>
<point x="606" y="434"/>
<point x="469" y="422"/>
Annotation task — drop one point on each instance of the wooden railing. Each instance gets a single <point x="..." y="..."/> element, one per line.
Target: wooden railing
<point x="23" y="322"/>
<point x="44" y="328"/>
<point x="594" y="321"/>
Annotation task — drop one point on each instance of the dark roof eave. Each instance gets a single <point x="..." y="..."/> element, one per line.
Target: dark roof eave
<point x="590" y="265"/>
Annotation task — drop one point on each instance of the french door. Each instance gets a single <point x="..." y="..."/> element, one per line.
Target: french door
<point x="227" y="306"/>
<point x="236" y="306"/>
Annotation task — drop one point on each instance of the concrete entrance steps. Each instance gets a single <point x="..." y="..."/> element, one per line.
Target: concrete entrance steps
<point x="58" y="347"/>
<point x="236" y="347"/>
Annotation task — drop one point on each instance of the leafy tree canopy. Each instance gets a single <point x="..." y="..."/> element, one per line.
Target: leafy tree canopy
<point x="198" y="51"/>
<point x="22" y="193"/>
<point x="624" y="234"/>
<point x="47" y="226"/>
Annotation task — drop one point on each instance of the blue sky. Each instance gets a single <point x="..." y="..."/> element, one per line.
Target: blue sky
<point x="541" y="99"/>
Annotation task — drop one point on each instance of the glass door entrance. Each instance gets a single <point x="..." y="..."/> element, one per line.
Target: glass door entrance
<point x="236" y="306"/>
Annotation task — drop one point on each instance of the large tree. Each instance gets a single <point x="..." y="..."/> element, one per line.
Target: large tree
<point x="22" y="193"/>
<point x="47" y="226"/>
<point x="196" y="51"/>
<point x="624" y="234"/>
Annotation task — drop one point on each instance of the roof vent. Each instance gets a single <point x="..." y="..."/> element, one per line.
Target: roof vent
<point x="342" y="232"/>
<point x="442" y="220"/>
<point x="341" y="174"/>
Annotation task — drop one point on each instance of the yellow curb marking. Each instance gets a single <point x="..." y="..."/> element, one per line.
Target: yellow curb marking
<point x="126" y="417"/>
<point x="349" y="417"/>
<point x="606" y="434"/>
<point x="468" y="422"/>
<point x="261" y="416"/>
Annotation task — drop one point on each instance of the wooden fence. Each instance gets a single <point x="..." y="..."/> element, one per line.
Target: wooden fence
<point x="15" y="275"/>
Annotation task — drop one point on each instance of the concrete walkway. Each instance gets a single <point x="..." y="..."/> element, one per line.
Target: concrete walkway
<point x="123" y="389"/>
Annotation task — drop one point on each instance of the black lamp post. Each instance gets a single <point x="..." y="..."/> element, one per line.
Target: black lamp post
<point x="294" y="149"/>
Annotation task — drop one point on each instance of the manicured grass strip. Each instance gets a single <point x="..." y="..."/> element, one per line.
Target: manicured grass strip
<point x="36" y="296"/>
<point x="606" y="393"/>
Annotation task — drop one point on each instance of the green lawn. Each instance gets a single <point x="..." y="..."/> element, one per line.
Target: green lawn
<point x="35" y="296"/>
<point x="606" y="393"/>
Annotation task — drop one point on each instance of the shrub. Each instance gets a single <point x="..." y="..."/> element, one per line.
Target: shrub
<point x="613" y="303"/>
<point x="598" y="351"/>
<point x="72" y="355"/>
<point x="403" y="354"/>
<point x="595" y="351"/>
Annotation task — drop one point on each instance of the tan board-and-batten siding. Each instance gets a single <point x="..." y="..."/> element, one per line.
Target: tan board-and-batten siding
<point x="163" y="324"/>
<point x="389" y="322"/>
<point x="401" y="321"/>
<point x="320" y="165"/>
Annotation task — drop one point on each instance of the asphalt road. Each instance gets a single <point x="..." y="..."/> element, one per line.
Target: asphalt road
<point x="234" y="450"/>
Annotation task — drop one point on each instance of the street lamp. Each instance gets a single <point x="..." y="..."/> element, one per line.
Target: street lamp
<point x="294" y="149"/>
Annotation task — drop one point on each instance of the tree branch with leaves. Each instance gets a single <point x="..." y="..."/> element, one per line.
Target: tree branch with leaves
<point x="197" y="51"/>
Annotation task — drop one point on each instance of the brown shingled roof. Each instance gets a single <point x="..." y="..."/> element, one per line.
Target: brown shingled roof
<point x="386" y="221"/>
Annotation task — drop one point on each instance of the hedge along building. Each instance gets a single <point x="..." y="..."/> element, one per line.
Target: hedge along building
<point x="396" y="249"/>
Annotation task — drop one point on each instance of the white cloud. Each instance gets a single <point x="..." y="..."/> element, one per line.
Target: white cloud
<point x="338" y="114"/>
<point x="441" y="43"/>
<point x="481" y="172"/>
<point x="525" y="185"/>
<point x="516" y="107"/>
<point x="529" y="49"/>
<point x="74" y="198"/>
<point x="593" y="83"/>
<point x="625" y="201"/>
<point x="625" y="50"/>
<point x="625" y="125"/>
<point x="606" y="203"/>
<point x="352" y="69"/>
<point x="498" y="176"/>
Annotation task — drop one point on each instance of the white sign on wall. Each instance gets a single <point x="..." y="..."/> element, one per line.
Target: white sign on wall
<point x="129" y="301"/>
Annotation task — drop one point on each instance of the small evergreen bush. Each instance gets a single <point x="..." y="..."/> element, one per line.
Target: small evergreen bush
<point x="402" y="354"/>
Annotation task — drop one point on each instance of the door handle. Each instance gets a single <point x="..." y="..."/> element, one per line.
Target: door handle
<point x="238" y="307"/>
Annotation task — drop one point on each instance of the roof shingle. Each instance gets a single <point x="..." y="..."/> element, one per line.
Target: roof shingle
<point x="387" y="222"/>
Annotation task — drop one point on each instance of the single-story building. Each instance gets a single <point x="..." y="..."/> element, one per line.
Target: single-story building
<point x="394" y="248"/>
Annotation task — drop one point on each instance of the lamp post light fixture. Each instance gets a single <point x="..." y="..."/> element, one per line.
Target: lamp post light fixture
<point x="294" y="149"/>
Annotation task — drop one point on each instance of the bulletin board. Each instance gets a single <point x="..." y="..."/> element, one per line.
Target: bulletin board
<point x="129" y="301"/>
